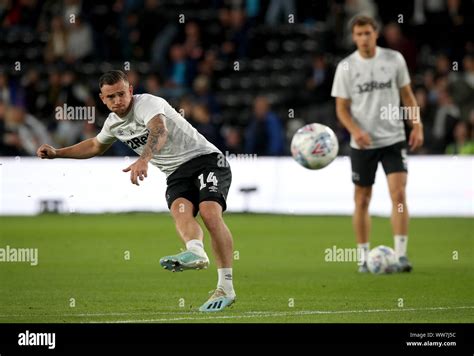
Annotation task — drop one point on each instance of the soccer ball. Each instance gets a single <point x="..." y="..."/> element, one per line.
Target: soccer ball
<point x="314" y="146"/>
<point x="381" y="260"/>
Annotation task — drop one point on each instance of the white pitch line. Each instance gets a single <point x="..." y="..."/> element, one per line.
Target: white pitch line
<point x="247" y="314"/>
<point x="96" y="314"/>
<point x="295" y="313"/>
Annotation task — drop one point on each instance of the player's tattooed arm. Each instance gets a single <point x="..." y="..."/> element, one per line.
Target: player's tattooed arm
<point x="156" y="140"/>
<point x="156" y="137"/>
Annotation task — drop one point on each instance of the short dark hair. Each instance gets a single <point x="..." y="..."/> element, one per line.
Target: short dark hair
<point x="363" y="20"/>
<point x="112" y="77"/>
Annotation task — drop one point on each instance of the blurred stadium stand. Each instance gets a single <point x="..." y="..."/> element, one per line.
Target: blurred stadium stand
<point x="213" y="58"/>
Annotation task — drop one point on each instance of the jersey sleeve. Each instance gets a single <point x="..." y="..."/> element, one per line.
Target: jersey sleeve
<point x="105" y="136"/>
<point x="403" y="77"/>
<point x="340" y="86"/>
<point x="149" y="107"/>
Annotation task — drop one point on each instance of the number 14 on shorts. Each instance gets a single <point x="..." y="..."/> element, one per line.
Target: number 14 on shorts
<point x="211" y="178"/>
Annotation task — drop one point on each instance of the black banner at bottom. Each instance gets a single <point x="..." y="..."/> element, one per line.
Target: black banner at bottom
<point x="44" y="339"/>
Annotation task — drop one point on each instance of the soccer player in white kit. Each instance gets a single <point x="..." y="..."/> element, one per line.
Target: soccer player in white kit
<point x="198" y="176"/>
<point x="367" y="86"/>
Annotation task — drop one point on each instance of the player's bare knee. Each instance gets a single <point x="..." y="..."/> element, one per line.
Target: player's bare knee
<point x="362" y="203"/>
<point x="398" y="196"/>
<point x="362" y="197"/>
<point x="211" y="216"/>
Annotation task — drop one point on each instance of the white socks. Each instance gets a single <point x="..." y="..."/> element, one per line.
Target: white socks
<point x="365" y="248"/>
<point x="225" y="281"/>
<point x="224" y="274"/>
<point x="401" y="242"/>
<point x="197" y="247"/>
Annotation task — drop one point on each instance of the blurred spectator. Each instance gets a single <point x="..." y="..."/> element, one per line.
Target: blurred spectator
<point x="445" y="117"/>
<point x="264" y="135"/>
<point x="278" y="9"/>
<point x="131" y="36"/>
<point x="134" y="80"/>
<point x="201" y="120"/>
<point x="71" y="9"/>
<point x="426" y="114"/>
<point x="31" y="89"/>
<point x="178" y="68"/>
<point x="428" y="81"/>
<point x="186" y="106"/>
<point x="235" y="42"/>
<point x="192" y="42"/>
<point x="5" y="89"/>
<point x="161" y="45"/>
<point x="463" y="142"/>
<point x="150" y="23"/>
<point x="203" y="95"/>
<point x="153" y="85"/>
<point x="178" y="71"/>
<point x="252" y="10"/>
<point x="354" y="7"/>
<point x="317" y="95"/>
<point x="57" y="41"/>
<point x="69" y="132"/>
<point x="73" y="94"/>
<point x="79" y="43"/>
<point x="23" y="14"/>
<point x="395" y="40"/>
<point x="233" y="140"/>
<point x="24" y="132"/>
<point x="208" y="64"/>
<point x="105" y="28"/>
<point x="49" y="98"/>
<point x="462" y="88"/>
<point x="10" y="142"/>
<point x="319" y="80"/>
<point x="460" y="16"/>
<point x="443" y="65"/>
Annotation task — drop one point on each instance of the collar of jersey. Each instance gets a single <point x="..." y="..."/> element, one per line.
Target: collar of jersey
<point x="377" y="53"/>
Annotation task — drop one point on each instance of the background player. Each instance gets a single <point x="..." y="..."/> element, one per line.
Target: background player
<point x="367" y="84"/>
<point x="196" y="178"/>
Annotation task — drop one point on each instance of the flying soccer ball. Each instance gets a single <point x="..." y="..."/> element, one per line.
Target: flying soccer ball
<point x="382" y="260"/>
<point x="314" y="146"/>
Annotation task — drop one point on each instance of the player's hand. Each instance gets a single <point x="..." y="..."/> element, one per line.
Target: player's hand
<point x="362" y="139"/>
<point x="416" y="137"/>
<point x="46" y="151"/>
<point x="138" y="170"/>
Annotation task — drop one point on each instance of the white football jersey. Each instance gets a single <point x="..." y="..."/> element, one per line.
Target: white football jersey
<point x="184" y="142"/>
<point x="372" y="85"/>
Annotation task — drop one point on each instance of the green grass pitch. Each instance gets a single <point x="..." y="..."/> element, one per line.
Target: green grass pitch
<point x="280" y="273"/>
